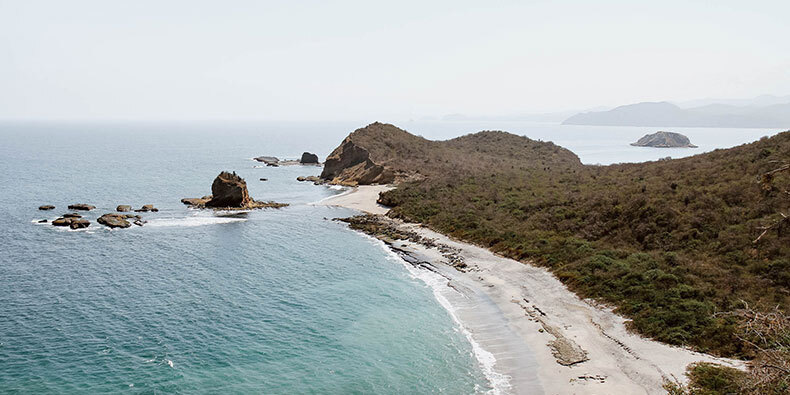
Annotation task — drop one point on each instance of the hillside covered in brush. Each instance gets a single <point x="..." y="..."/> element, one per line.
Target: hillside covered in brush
<point x="382" y="153"/>
<point x="670" y="244"/>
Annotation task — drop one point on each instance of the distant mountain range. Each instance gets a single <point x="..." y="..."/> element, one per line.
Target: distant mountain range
<point x="763" y="112"/>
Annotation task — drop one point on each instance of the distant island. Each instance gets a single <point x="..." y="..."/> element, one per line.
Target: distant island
<point x="664" y="140"/>
<point x="670" y="115"/>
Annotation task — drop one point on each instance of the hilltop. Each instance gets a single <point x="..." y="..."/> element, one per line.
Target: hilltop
<point x="382" y="153"/>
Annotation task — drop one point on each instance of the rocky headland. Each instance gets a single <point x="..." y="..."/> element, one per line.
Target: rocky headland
<point x="662" y="139"/>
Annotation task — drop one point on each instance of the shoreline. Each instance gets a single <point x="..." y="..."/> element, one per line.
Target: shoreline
<point x="542" y="336"/>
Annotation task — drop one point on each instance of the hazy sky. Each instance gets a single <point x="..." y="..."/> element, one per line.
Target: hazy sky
<point x="369" y="59"/>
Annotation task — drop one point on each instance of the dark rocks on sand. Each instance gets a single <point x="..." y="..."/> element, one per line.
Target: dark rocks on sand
<point x="123" y="208"/>
<point x="308" y="158"/>
<point x="114" y="220"/>
<point x="664" y="140"/>
<point x="46" y="207"/>
<point x="81" y="206"/>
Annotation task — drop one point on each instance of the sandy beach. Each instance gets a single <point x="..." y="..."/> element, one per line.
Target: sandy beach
<point x="535" y="334"/>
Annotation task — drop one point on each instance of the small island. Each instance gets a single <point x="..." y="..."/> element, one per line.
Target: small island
<point x="229" y="192"/>
<point x="662" y="139"/>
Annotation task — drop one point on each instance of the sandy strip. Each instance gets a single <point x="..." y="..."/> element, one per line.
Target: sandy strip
<point x="540" y="333"/>
<point x="362" y="198"/>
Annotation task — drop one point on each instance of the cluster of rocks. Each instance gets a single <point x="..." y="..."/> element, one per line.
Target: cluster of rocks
<point x="306" y="159"/>
<point x="111" y="220"/>
<point x="229" y="192"/>
<point x="389" y="230"/>
<point x="72" y="220"/>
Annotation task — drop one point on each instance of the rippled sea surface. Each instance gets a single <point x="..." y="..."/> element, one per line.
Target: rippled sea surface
<point x="274" y="301"/>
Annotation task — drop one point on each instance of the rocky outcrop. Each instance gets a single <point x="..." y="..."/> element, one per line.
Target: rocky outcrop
<point x="313" y="179"/>
<point x="268" y="160"/>
<point x="308" y="158"/>
<point x="229" y="192"/>
<point x="123" y="208"/>
<point x="350" y="164"/>
<point x="664" y="140"/>
<point x="146" y="208"/>
<point x="198" y="202"/>
<point x="81" y="206"/>
<point x="113" y="220"/>
<point x="72" y="215"/>
<point x="46" y="207"/>
<point x="74" y="222"/>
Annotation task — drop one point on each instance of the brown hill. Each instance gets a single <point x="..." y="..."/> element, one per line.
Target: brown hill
<point x="382" y="153"/>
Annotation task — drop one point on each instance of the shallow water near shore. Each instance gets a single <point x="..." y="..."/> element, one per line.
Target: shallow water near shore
<point x="275" y="301"/>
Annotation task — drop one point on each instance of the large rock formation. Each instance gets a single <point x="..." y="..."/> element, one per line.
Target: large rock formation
<point x="308" y="158"/>
<point x="664" y="140"/>
<point x="229" y="191"/>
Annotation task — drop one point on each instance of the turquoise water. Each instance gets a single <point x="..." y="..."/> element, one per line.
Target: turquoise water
<point x="275" y="301"/>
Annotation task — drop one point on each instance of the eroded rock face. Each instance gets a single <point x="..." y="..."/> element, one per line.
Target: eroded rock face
<point x="81" y="206"/>
<point x="308" y="158"/>
<point x="229" y="190"/>
<point x="664" y="140"/>
<point x="350" y="164"/>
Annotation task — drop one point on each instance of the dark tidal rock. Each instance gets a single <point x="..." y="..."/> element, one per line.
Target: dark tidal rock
<point x="81" y="206"/>
<point x="46" y="207"/>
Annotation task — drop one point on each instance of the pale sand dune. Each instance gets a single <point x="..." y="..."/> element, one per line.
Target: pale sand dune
<point x="526" y="299"/>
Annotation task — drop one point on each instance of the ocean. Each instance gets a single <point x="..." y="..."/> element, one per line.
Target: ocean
<point x="272" y="301"/>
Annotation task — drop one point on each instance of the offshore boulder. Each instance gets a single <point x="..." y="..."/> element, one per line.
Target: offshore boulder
<point x="229" y="192"/>
<point x="309" y="159"/>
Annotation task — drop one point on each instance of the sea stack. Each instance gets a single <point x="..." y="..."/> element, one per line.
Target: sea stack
<point x="309" y="159"/>
<point x="662" y="139"/>
<point x="229" y="192"/>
